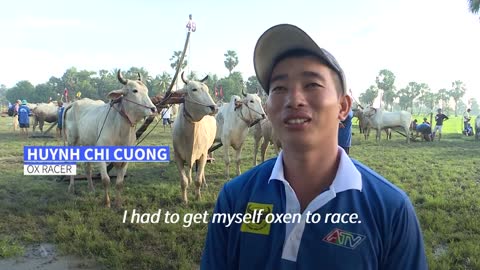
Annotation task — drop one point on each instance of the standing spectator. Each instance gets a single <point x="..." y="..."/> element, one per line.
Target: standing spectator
<point x="15" y="115"/>
<point x="166" y="113"/>
<point x="439" y="118"/>
<point x="345" y="133"/>
<point x="413" y="127"/>
<point x="466" y="119"/>
<point x="24" y="118"/>
<point x="60" y="119"/>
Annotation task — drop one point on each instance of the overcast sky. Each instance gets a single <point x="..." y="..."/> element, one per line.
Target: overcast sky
<point x="430" y="41"/>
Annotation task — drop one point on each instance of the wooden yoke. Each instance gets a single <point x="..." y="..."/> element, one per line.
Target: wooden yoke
<point x="160" y="102"/>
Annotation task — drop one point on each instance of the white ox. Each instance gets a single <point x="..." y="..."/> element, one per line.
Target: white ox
<point x="364" y="124"/>
<point x="89" y="122"/>
<point x="264" y="130"/>
<point x="379" y="119"/>
<point x="233" y="121"/>
<point x="193" y="133"/>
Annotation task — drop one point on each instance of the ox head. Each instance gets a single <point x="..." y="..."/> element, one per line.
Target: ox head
<point x="369" y="111"/>
<point x="134" y="98"/>
<point x="198" y="101"/>
<point x="251" y="107"/>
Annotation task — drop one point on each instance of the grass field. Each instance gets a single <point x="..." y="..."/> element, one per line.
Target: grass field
<point x="441" y="178"/>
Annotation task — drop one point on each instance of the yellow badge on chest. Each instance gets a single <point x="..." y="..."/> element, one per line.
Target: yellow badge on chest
<point x="254" y="218"/>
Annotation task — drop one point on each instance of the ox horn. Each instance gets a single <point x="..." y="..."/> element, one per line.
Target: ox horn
<point x="258" y="92"/>
<point x="183" y="78"/>
<point x="243" y="92"/>
<point x="204" y="79"/>
<point x="139" y="76"/>
<point x="120" y="78"/>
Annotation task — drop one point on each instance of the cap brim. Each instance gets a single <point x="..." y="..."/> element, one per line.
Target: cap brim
<point x="281" y="39"/>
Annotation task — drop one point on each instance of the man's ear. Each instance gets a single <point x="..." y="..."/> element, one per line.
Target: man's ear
<point x="345" y="106"/>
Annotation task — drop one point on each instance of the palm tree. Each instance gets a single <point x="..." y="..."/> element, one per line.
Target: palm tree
<point x="231" y="61"/>
<point x="165" y="80"/>
<point x="457" y="92"/>
<point x="175" y="58"/>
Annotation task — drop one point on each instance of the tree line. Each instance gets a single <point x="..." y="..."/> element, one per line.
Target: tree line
<point x="417" y="97"/>
<point x="97" y="84"/>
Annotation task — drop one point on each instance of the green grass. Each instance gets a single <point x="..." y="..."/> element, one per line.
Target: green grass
<point x="441" y="178"/>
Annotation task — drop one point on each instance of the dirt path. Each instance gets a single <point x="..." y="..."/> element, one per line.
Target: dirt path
<point x="44" y="256"/>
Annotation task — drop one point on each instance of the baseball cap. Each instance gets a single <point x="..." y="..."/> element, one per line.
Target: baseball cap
<point x="24" y="102"/>
<point x="281" y="39"/>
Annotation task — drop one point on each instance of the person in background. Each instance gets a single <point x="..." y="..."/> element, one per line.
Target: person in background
<point x="60" y="118"/>
<point x="425" y="130"/>
<point x="439" y="118"/>
<point x="24" y="118"/>
<point x="15" y="115"/>
<point x="166" y="114"/>
<point x="345" y="133"/>
<point x="466" y="120"/>
<point x="425" y="121"/>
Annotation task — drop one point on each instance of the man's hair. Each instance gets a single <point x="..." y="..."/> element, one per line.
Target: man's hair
<point x="304" y="53"/>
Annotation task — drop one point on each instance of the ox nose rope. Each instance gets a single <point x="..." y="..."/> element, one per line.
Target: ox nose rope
<point x="104" y="120"/>
<point x="250" y="121"/>
<point x="136" y="103"/>
<point x="148" y="133"/>
<point x="190" y="99"/>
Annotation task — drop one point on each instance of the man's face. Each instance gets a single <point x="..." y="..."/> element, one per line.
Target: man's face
<point x="303" y="104"/>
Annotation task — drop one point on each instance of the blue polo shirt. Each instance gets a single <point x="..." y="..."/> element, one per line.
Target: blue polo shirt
<point x="345" y="134"/>
<point x="384" y="235"/>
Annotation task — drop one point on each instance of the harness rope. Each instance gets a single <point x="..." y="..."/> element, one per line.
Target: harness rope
<point x="248" y="122"/>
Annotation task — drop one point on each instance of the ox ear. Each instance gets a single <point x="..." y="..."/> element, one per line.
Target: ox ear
<point x="115" y="94"/>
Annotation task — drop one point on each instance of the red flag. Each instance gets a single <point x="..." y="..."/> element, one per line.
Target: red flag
<point x="221" y="91"/>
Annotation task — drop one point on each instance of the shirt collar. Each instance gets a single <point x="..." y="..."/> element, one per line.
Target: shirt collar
<point x="347" y="176"/>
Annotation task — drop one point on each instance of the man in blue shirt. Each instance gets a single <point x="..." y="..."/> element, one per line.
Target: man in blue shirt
<point x="312" y="207"/>
<point x="60" y="118"/>
<point x="24" y="118"/>
<point x="345" y="133"/>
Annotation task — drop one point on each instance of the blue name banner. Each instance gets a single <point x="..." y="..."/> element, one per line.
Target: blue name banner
<point x="66" y="154"/>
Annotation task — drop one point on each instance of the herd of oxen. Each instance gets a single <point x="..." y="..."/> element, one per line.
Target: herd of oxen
<point x="199" y="123"/>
